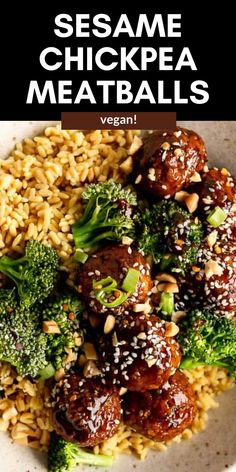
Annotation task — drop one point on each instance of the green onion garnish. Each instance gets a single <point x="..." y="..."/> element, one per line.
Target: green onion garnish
<point x="80" y="256"/>
<point x="167" y="303"/>
<point x="112" y="304"/>
<point x="131" y="280"/>
<point x="216" y="217"/>
<point x="105" y="285"/>
<point x="105" y="289"/>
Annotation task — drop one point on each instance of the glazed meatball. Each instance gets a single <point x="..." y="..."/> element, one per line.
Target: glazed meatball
<point x="161" y="415"/>
<point x="114" y="261"/>
<point x="218" y="286"/>
<point x="140" y="353"/>
<point x="86" y="411"/>
<point x="167" y="161"/>
<point x="217" y="188"/>
<point x="211" y="283"/>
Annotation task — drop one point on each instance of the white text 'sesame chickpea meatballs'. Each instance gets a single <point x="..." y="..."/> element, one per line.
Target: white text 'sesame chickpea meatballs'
<point x="114" y="279"/>
<point x="167" y="161"/>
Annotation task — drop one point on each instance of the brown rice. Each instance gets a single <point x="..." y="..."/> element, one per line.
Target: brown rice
<point x="40" y="189"/>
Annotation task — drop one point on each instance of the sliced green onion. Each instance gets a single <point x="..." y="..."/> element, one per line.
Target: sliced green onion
<point x="104" y="288"/>
<point x="118" y="300"/>
<point x="167" y="303"/>
<point x="216" y="217"/>
<point x="47" y="372"/>
<point x="105" y="285"/>
<point x="80" y="256"/>
<point x="131" y="280"/>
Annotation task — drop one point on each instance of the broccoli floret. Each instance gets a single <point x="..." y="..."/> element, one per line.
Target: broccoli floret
<point x="64" y="456"/>
<point x="22" y="342"/>
<point x="170" y="234"/>
<point x="65" y="309"/>
<point x="107" y="216"/>
<point x="208" y="340"/>
<point x="34" y="274"/>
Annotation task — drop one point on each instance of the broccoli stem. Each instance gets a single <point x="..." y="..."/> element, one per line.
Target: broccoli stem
<point x="8" y="261"/>
<point x="101" y="460"/>
<point x="85" y="242"/>
<point x="7" y="265"/>
<point x="7" y="270"/>
<point x="190" y="363"/>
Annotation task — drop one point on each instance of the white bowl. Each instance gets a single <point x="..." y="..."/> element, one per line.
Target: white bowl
<point x="213" y="450"/>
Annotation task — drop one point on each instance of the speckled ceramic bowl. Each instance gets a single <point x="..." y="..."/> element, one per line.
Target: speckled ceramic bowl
<point x="213" y="450"/>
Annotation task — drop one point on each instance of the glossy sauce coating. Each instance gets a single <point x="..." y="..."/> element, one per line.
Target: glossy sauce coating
<point x="138" y="354"/>
<point x="218" y="292"/>
<point x="114" y="261"/>
<point x="167" y="161"/>
<point x="161" y="415"/>
<point x="86" y="411"/>
<point x="217" y="188"/>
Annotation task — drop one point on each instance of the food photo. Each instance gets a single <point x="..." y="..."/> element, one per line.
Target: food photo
<point x="117" y="298"/>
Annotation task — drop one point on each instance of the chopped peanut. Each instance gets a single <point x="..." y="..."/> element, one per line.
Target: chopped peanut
<point x="195" y="177"/>
<point x="165" y="146"/>
<point x="191" y="202"/>
<point x="211" y="238"/>
<point x="213" y="268"/>
<point x="51" y="327"/>
<point x="127" y="241"/>
<point x="109" y="324"/>
<point x="127" y="165"/>
<point x="181" y="196"/>
<point x="135" y="145"/>
<point x="171" y="329"/>
<point x="168" y="287"/>
<point x="164" y="277"/>
<point x="224" y="171"/>
<point x="178" y="315"/>
<point x="89" y="351"/>
<point x="90" y="369"/>
<point x="59" y="374"/>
